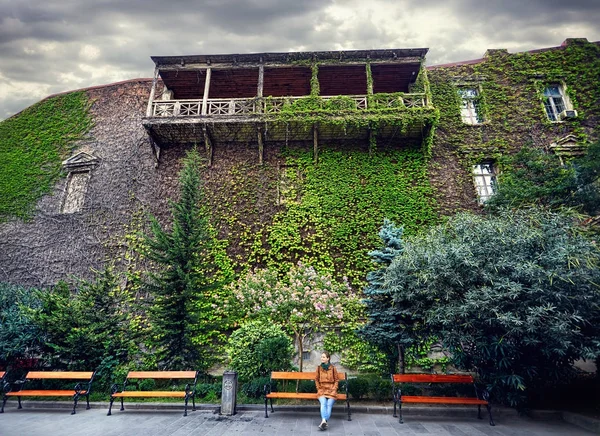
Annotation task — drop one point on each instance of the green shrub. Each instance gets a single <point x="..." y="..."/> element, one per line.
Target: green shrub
<point x="209" y="391"/>
<point x="257" y="348"/>
<point x="358" y="387"/>
<point x="255" y="387"/>
<point x="380" y="389"/>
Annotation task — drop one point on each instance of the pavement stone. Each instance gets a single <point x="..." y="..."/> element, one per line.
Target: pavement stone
<point x="165" y="419"/>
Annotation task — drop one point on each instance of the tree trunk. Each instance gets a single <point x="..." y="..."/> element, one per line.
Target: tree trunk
<point x="401" y="367"/>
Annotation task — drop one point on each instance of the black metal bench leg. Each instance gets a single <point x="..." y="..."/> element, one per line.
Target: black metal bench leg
<point x="3" y="403"/>
<point x="266" y="408"/>
<point x="395" y="414"/>
<point x="479" y="411"/>
<point x="87" y="400"/>
<point x="19" y="399"/>
<point x="185" y="407"/>
<point x="75" y="399"/>
<point x="489" y="409"/>
<point x="400" y="420"/>
<point x="349" y="414"/>
<point x="122" y="405"/>
<point x="112" y="399"/>
<point x="272" y="410"/>
<point x="193" y="403"/>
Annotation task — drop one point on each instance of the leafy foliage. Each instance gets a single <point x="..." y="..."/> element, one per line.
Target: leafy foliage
<point x="534" y="176"/>
<point x="86" y="328"/>
<point x="257" y="348"/>
<point x="303" y="302"/>
<point x="514" y="297"/>
<point x="186" y="328"/>
<point x="32" y="146"/>
<point x="333" y="209"/>
<point x="19" y="336"/>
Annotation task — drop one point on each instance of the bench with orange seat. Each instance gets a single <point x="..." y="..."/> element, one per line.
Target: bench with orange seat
<point x="81" y="388"/>
<point x="188" y="393"/>
<point x="481" y="395"/>
<point x="275" y="375"/>
<point x="4" y="386"/>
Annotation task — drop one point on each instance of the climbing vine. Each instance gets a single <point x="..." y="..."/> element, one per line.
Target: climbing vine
<point x="32" y="147"/>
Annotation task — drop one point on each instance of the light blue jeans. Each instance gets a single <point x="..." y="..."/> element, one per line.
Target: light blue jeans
<point x="326" y="406"/>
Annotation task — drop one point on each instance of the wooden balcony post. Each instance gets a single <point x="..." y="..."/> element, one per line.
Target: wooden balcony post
<point x="208" y="146"/>
<point x="260" y="145"/>
<point x="152" y="92"/>
<point x="206" y="89"/>
<point x="259" y="91"/>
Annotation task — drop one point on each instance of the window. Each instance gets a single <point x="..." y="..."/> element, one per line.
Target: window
<point x="306" y="355"/>
<point x="79" y="168"/>
<point x="470" y="107"/>
<point x="554" y="101"/>
<point x="485" y="180"/>
<point x="75" y="194"/>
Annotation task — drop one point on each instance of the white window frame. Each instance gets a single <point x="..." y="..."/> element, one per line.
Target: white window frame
<point x="470" y="105"/>
<point x="484" y="178"/>
<point x="555" y="101"/>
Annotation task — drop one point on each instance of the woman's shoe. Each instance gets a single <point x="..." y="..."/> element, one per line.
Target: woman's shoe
<point x="322" y="426"/>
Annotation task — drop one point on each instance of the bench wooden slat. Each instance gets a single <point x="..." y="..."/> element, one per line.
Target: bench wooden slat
<point x="442" y="400"/>
<point x="432" y="378"/>
<point x="44" y="393"/>
<point x="300" y="395"/>
<point x="162" y="374"/>
<point x="293" y="375"/>
<point x="176" y="394"/>
<point x="299" y="375"/>
<point x="59" y="375"/>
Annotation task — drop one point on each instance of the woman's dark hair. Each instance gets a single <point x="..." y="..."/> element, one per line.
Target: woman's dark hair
<point x="326" y="353"/>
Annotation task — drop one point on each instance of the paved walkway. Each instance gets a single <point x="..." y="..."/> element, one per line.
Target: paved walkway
<point x="34" y="421"/>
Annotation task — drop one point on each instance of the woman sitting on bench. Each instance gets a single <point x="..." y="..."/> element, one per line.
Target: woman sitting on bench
<point x="326" y="380"/>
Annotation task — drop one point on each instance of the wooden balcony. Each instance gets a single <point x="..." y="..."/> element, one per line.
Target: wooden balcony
<point x="225" y="107"/>
<point x="172" y="122"/>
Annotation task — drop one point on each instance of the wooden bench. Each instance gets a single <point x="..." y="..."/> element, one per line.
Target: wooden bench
<point x="481" y="395"/>
<point x="269" y="395"/>
<point x="189" y="392"/>
<point x="4" y="385"/>
<point x="82" y="388"/>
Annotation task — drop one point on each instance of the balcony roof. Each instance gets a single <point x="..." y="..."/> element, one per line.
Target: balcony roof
<point x="289" y="74"/>
<point x="235" y="60"/>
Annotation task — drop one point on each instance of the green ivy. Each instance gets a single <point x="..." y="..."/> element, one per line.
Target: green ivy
<point x="334" y="211"/>
<point x="32" y="147"/>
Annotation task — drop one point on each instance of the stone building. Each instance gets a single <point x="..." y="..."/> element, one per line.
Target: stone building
<point x="305" y="153"/>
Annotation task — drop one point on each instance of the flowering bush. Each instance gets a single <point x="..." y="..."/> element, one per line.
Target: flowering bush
<point x="303" y="302"/>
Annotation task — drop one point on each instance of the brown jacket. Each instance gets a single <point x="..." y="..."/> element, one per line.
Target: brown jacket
<point x="327" y="381"/>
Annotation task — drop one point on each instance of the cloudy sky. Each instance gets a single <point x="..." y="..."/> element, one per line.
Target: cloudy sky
<point x="50" y="46"/>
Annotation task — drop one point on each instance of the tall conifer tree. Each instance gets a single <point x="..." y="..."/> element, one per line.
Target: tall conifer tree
<point x="389" y="324"/>
<point x="184" y="324"/>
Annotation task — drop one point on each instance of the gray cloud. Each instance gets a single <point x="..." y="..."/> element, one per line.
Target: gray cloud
<point x="59" y="45"/>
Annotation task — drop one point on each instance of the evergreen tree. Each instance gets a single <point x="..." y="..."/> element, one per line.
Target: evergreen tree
<point x="513" y="297"/>
<point x="389" y="326"/>
<point x="184" y="324"/>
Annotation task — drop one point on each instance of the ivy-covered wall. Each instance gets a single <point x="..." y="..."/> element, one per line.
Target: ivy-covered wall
<point x="511" y="99"/>
<point x="290" y="209"/>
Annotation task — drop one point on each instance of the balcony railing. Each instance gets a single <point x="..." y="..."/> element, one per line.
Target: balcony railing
<point x="274" y="105"/>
